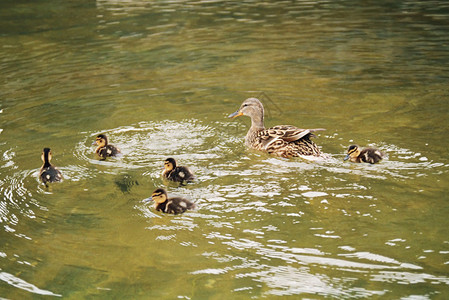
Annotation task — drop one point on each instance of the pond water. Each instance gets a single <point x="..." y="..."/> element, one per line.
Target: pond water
<point x="159" y="78"/>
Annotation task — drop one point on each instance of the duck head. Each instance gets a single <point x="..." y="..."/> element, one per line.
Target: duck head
<point x="159" y="196"/>
<point x="46" y="155"/>
<point x="353" y="152"/>
<point x="101" y="140"/>
<point x="169" y="164"/>
<point x="252" y="108"/>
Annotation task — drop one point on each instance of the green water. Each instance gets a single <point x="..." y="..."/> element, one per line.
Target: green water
<point x="160" y="77"/>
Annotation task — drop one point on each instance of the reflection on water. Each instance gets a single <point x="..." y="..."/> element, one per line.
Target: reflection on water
<point x="19" y="283"/>
<point x="159" y="78"/>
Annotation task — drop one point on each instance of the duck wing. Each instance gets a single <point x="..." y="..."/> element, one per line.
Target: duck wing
<point x="50" y="174"/>
<point x="108" y="150"/>
<point x="287" y="141"/>
<point x="371" y="155"/>
<point x="181" y="174"/>
<point x="179" y="205"/>
<point x="287" y="133"/>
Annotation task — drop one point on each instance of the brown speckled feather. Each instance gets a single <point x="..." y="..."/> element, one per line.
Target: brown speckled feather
<point x="282" y="140"/>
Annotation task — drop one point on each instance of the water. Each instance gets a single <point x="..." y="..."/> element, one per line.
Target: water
<point x="160" y="78"/>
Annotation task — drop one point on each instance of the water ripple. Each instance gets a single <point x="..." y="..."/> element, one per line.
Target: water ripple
<point x="22" y="284"/>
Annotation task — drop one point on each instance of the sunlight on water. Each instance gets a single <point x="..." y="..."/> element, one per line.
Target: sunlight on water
<point x="145" y="145"/>
<point x="19" y="283"/>
<point x="160" y="78"/>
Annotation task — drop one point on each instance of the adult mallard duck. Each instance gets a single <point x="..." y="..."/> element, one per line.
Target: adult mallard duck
<point x="367" y="155"/>
<point x="104" y="149"/>
<point x="48" y="172"/>
<point x="167" y="205"/>
<point x="282" y="140"/>
<point x="176" y="173"/>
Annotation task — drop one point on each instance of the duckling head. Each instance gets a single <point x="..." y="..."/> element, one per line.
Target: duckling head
<point x="101" y="140"/>
<point x="46" y="155"/>
<point x="169" y="164"/>
<point x="159" y="196"/>
<point x="353" y="152"/>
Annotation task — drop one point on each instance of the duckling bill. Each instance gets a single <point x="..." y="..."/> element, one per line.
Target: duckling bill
<point x="175" y="205"/>
<point x="176" y="173"/>
<point x="366" y="155"/>
<point x="48" y="172"/>
<point x="282" y="140"/>
<point x="103" y="148"/>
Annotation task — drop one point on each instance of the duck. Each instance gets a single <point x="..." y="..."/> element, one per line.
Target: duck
<point x="48" y="172"/>
<point x="281" y="140"/>
<point x="367" y="155"/>
<point x="104" y="149"/>
<point x="176" y="173"/>
<point x="176" y="205"/>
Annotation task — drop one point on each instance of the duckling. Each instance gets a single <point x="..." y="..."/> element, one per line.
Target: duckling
<point x="104" y="149"/>
<point x="282" y="140"/>
<point x="368" y="155"/>
<point x="167" y="205"/>
<point x="175" y="173"/>
<point x="48" y="172"/>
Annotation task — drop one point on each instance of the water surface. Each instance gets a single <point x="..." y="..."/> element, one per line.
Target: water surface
<point x="160" y="78"/>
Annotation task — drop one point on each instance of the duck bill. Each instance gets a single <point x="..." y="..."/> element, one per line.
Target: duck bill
<point x="346" y="157"/>
<point x="146" y="200"/>
<point x="94" y="143"/>
<point x="236" y="114"/>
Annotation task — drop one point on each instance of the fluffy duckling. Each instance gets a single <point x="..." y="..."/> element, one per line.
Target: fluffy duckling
<point x="282" y="140"/>
<point x="48" y="172"/>
<point x="104" y="149"/>
<point x="367" y="155"/>
<point x="176" y="173"/>
<point x="167" y="205"/>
